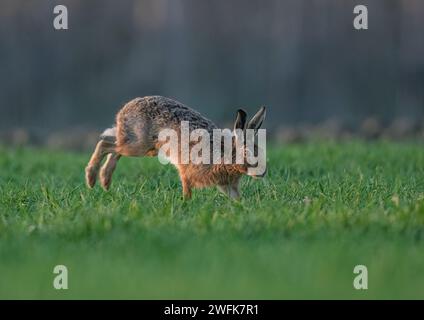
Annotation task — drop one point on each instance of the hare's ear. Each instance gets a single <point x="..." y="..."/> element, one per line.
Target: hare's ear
<point x="256" y="122"/>
<point x="240" y="122"/>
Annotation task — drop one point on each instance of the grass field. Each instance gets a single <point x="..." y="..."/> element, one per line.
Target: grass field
<point x="322" y="209"/>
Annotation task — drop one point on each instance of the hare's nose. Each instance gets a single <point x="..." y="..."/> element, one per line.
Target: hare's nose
<point x="257" y="176"/>
<point x="263" y="174"/>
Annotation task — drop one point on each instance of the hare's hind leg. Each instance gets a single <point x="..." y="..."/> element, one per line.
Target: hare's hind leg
<point x="102" y="149"/>
<point x="107" y="170"/>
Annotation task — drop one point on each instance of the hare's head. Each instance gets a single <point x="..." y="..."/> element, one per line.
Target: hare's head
<point x="249" y="144"/>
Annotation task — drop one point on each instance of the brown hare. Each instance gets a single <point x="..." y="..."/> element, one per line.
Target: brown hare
<point x="137" y="131"/>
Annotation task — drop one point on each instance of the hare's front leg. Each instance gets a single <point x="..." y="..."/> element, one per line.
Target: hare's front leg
<point x="185" y="182"/>
<point x="186" y="188"/>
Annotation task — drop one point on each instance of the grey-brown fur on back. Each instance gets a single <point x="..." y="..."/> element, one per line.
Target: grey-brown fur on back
<point x="141" y="119"/>
<point x="165" y="112"/>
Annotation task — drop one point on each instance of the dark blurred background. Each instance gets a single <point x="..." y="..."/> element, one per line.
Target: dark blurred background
<point x="303" y="59"/>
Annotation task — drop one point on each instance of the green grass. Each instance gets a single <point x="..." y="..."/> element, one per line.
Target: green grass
<point x="322" y="209"/>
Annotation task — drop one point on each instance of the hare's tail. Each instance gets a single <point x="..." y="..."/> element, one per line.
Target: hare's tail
<point x="109" y="135"/>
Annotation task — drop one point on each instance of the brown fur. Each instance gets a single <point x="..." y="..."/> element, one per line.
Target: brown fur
<point x="138" y="125"/>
